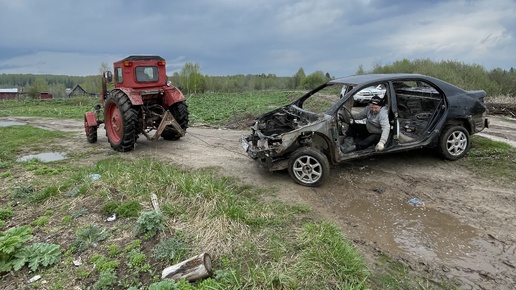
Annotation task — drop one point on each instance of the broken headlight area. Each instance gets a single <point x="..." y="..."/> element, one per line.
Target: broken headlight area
<point x="266" y="150"/>
<point x="259" y="145"/>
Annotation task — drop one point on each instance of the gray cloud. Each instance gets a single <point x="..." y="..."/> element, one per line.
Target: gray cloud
<point x="246" y="37"/>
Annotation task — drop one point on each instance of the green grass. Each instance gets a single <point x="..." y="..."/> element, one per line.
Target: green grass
<point x="211" y="108"/>
<point x="254" y="244"/>
<point x="18" y="139"/>
<point x="72" y="108"/>
<point x="491" y="159"/>
<point x="219" y="108"/>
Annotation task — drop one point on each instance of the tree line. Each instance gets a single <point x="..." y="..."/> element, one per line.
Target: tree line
<point x="191" y="80"/>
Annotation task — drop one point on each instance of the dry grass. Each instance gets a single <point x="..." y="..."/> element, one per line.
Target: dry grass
<point x="502" y="99"/>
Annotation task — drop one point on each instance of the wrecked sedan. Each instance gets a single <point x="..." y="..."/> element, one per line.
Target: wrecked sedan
<point x="307" y="135"/>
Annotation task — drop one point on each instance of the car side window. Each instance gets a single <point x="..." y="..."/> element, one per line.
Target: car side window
<point x="322" y="100"/>
<point x="417" y="104"/>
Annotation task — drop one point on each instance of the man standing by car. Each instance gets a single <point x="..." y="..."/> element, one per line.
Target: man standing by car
<point x="375" y="130"/>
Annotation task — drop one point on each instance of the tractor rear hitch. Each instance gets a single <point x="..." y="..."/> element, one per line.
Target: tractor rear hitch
<point x="168" y="119"/>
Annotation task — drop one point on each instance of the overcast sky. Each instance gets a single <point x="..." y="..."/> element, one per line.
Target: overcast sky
<point x="227" y="37"/>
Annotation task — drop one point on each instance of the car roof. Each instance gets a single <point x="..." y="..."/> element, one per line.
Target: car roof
<point x="356" y="80"/>
<point x="364" y="80"/>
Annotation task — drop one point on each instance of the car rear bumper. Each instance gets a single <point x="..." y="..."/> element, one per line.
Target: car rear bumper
<point x="479" y="125"/>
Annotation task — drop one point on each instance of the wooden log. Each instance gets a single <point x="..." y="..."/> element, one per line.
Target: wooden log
<point x="195" y="268"/>
<point x="155" y="204"/>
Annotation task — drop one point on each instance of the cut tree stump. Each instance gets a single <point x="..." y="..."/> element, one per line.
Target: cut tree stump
<point x="195" y="268"/>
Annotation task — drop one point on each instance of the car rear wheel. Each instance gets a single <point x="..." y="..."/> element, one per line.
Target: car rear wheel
<point x="454" y="143"/>
<point x="308" y="166"/>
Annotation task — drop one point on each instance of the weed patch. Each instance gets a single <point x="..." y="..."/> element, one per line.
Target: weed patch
<point x="89" y="236"/>
<point x="148" y="224"/>
<point x="15" y="253"/>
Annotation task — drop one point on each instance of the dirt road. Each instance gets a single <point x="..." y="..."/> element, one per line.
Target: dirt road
<point x="460" y="228"/>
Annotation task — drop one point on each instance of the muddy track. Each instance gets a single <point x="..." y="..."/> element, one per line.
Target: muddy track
<point x="462" y="228"/>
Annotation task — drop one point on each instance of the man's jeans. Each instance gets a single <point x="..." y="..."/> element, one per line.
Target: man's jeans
<point x="360" y="130"/>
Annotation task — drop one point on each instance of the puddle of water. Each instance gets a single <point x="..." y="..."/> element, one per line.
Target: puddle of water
<point x="10" y="123"/>
<point x="422" y="232"/>
<point x="44" y="157"/>
<point x="425" y="234"/>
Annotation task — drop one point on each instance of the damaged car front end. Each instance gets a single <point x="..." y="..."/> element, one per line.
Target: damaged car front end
<point x="294" y="138"/>
<point x="276" y="135"/>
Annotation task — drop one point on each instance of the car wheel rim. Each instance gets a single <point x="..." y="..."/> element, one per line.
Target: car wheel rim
<point x="114" y="123"/>
<point x="457" y="143"/>
<point x="307" y="169"/>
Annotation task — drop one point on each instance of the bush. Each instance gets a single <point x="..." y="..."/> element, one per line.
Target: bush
<point x="5" y="214"/>
<point x="148" y="224"/>
<point x="87" y="237"/>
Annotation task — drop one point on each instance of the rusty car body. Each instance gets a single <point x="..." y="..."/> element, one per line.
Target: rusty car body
<point x="423" y="112"/>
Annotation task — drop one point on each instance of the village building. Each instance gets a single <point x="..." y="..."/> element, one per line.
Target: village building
<point x="79" y="91"/>
<point x="9" y="94"/>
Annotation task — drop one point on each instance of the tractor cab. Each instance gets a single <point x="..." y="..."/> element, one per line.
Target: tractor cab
<point x="140" y="72"/>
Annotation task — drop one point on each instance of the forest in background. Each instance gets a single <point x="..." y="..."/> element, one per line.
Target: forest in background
<point x="496" y="82"/>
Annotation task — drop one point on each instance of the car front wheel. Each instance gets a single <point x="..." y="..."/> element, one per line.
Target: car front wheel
<point x="454" y="143"/>
<point x="308" y="166"/>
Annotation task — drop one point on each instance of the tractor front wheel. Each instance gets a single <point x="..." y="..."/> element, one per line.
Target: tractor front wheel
<point x="121" y="121"/>
<point x="180" y="112"/>
<point x="91" y="132"/>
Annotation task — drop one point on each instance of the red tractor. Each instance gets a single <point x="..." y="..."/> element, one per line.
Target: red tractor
<point x="142" y="101"/>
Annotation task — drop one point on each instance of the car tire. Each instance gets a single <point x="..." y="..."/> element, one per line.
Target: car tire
<point x="454" y="142"/>
<point x="308" y="167"/>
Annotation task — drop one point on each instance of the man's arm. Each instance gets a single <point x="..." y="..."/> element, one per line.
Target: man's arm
<point x="386" y="126"/>
<point x="360" y="115"/>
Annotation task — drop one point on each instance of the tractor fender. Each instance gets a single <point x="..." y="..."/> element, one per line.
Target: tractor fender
<point x="90" y="119"/>
<point x="172" y="96"/>
<point x="133" y="95"/>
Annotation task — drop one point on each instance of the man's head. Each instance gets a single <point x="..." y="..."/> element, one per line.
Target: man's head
<point x="376" y="104"/>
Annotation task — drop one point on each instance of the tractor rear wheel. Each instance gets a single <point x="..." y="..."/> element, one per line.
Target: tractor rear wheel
<point x="121" y="121"/>
<point x="180" y="112"/>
